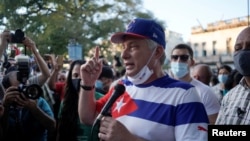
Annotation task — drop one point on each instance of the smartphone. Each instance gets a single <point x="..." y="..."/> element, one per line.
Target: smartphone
<point x="60" y="59"/>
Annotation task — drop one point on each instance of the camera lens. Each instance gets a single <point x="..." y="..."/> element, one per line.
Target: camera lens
<point x="33" y="91"/>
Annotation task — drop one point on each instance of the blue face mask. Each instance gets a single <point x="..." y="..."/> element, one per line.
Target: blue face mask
<point x="179" y="69"/>
<point x="222" y="78"/>
<point x="98" y="84"/>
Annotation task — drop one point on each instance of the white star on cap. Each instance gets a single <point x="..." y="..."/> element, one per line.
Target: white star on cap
<point x="119" y="105"/>
<point x="155" y="35"/>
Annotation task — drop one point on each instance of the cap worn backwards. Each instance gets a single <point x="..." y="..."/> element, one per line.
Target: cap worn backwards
<point x="142" y="28"/>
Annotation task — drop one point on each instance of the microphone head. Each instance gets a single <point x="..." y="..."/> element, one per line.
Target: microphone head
<point x="120" y="89"/>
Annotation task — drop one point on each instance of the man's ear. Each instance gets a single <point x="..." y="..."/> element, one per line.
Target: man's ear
<point x="196" y="77"/>
<point x="192" y="62"/>
<point x="159" y="51"/>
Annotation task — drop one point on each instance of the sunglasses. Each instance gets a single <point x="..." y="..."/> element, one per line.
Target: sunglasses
<point x="183" y="58"/>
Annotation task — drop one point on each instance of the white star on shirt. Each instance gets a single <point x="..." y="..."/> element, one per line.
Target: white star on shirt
<point x="119" y="105"/>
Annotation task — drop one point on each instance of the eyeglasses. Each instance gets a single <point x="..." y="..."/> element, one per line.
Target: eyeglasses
<point x="183" y="58"/>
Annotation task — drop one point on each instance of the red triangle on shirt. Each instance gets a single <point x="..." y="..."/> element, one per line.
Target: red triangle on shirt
<point x="123" y="105"/>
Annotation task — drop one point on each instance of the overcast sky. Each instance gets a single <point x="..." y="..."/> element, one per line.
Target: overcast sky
<point x="181" y="15"/>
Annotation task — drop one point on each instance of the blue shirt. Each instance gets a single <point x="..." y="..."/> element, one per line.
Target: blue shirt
<point x="24" y="126"/>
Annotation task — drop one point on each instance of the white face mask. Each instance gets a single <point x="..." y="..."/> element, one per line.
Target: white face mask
<point x="143" y="75"/>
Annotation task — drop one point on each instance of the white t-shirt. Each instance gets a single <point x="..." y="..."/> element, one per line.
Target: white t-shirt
<point x="208" y="97"/>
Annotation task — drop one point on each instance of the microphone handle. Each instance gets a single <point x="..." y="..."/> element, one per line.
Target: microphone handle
<point x="95" y="128"/>
<point x="119" y="89"/>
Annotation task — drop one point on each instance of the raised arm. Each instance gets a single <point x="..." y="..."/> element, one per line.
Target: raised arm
<point x="45" y="73"/>
<point x="89" y="72"/>
<point x="4" y="37"/>
<point x="55" y="71"/>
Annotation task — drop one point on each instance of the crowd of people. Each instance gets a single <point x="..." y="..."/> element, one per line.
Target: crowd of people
<point x="44" y="102"/>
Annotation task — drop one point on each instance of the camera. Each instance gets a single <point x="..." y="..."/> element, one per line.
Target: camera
<point x="17" y="37"/>
<point x="32" y="91"/>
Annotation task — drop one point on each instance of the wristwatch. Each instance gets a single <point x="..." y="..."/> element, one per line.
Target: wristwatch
<point x="87" y="88"/>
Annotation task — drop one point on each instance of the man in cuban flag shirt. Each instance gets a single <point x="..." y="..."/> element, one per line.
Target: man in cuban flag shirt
<point x="154" y="107"/>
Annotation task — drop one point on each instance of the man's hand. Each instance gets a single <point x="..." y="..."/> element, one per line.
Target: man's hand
<point x="113" y="130"/>
<point x="29" y="44"/>
<point x="14" y="97"/>
<point x="5" y="36"/>
<point x="26" y="102"/>
<point x="91" y="70"/>
<point x="11" y="96"/>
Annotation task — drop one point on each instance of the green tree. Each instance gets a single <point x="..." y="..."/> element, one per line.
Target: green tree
<point x="54" y="22"/>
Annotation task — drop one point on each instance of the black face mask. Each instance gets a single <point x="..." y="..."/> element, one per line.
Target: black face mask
<point x="76" y="84"/>
<point x="241" y="62"/>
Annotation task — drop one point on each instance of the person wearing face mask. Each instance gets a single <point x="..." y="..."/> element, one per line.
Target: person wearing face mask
<point x="223" y="73"/>
<point x="235" y="104"/>
<point x="105" y="79"/>
<point x="181" y="62"/>
<point x="165" y="108"/>
<point x="69" y="126"/>
<point x="233" y="79"/>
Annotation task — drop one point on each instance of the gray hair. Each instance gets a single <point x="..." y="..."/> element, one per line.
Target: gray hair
<point x="152" y="45"/>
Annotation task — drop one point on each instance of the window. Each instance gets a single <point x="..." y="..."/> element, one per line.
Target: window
<point x="229" y="46"/>
<point x="196" y="50"/>
<point x="204" y="51"/>
<point x="214" y="48"/>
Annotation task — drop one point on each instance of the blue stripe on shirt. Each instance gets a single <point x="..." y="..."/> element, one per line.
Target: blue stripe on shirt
<point x="163" y="113"/>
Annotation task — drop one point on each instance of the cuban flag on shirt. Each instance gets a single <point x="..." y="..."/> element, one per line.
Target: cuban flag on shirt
<point x="165" y="109"/>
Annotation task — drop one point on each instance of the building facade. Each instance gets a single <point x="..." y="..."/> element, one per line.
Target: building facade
<point x="214" y="44"/>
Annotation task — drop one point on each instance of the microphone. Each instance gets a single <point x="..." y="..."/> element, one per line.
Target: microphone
<point x="118" y="91"/>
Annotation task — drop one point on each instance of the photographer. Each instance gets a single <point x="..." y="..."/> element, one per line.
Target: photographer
<point x="15" y="103"/>
<point x="24" y="118"/>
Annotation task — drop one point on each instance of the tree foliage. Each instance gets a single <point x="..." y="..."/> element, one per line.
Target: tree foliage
<point x="54" y="22"/>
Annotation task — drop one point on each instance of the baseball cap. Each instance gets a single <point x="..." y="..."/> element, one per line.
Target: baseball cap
<point x="142" y="28"/>
<point x="107" y="72"/>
